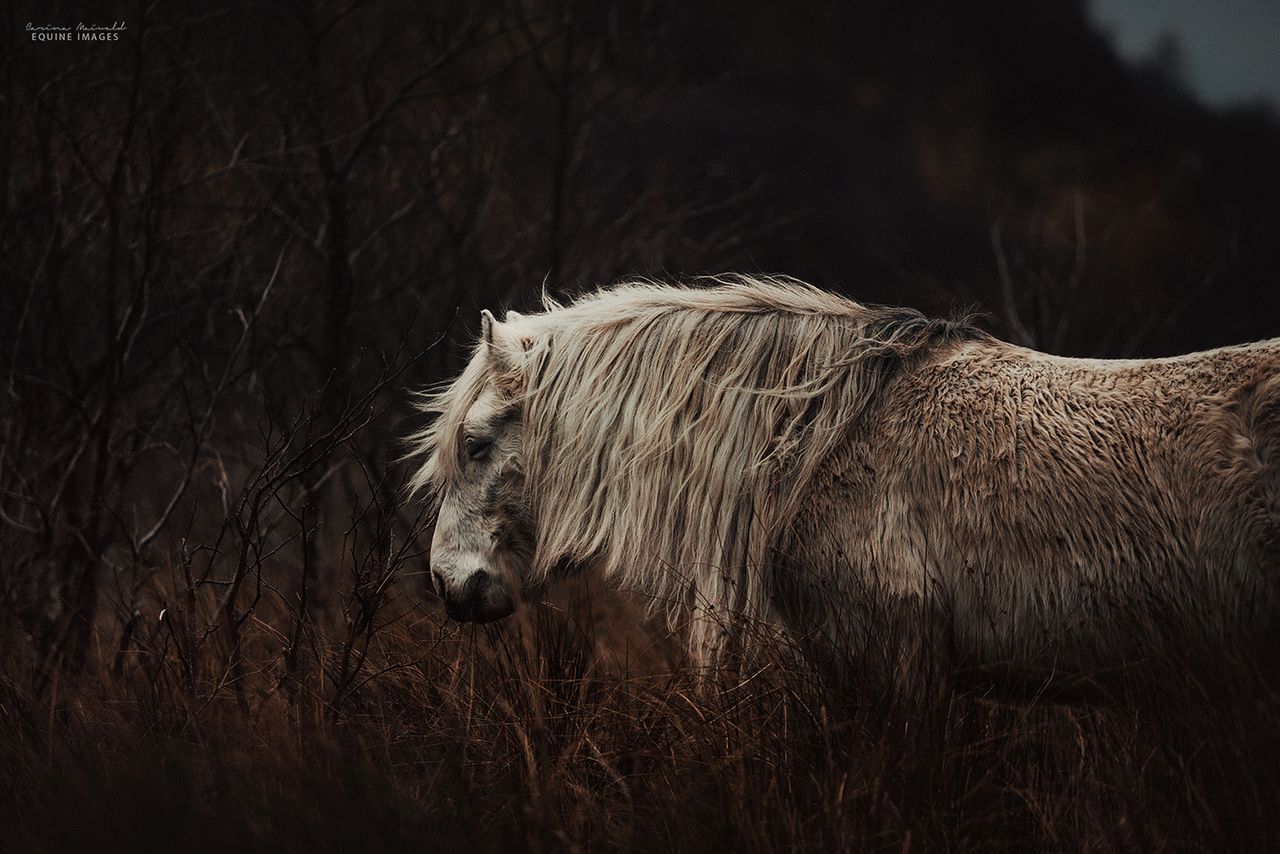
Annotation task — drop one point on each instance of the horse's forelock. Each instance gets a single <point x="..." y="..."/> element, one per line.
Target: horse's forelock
<point x="437" y="446"/>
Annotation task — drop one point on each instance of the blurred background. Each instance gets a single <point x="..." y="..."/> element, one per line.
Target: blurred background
<point x="234" y="237"/>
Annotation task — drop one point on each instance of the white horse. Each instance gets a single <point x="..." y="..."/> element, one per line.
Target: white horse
<point x="764" y="450"/>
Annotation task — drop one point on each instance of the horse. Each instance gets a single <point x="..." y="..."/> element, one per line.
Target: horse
<point x="755" y="450"/>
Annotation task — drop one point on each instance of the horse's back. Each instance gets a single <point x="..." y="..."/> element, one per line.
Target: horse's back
<point x="1050" y="499"/>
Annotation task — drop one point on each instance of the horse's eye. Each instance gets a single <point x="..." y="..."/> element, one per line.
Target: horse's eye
<point x="477" y="449"/>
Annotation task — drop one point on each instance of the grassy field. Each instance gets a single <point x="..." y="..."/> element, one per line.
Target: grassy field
<point x="579" y="728"/>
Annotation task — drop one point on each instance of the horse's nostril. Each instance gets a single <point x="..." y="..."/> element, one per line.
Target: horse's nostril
<point x="476" y="585"/>
<point x="437" y="583"/>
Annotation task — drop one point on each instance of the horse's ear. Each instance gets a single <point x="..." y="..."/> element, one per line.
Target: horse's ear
<point x="487" y="322"/>
<point x="502" y="344"/>
<point x="500" y="336"/>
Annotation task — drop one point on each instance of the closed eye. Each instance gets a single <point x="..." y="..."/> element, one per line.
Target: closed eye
<point x="477" y="448"/>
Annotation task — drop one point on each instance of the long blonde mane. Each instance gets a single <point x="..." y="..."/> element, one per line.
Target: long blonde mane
<point x="671" y="432"/>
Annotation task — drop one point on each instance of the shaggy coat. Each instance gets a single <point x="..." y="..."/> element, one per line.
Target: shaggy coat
<point x="762" y="449"/>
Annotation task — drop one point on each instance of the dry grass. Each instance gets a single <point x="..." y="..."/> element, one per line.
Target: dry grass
<point x="527" y="737"/>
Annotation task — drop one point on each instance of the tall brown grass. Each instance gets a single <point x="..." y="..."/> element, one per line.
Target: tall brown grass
<point x="571" y="729"/>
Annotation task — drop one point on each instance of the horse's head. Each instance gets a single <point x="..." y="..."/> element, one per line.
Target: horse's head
<point x="483" y="542"/>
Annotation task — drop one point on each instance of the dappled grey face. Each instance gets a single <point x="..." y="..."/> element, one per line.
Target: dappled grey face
<point x="483" y="538"/>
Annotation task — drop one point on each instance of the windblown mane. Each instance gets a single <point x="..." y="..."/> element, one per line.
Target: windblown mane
<point x="670" y="432"/>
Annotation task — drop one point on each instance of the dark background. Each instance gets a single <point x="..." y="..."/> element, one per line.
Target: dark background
<point x="234" y="240"/>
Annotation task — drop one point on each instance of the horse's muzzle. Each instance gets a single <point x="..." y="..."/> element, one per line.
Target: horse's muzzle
<point x="479" y="600"/>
